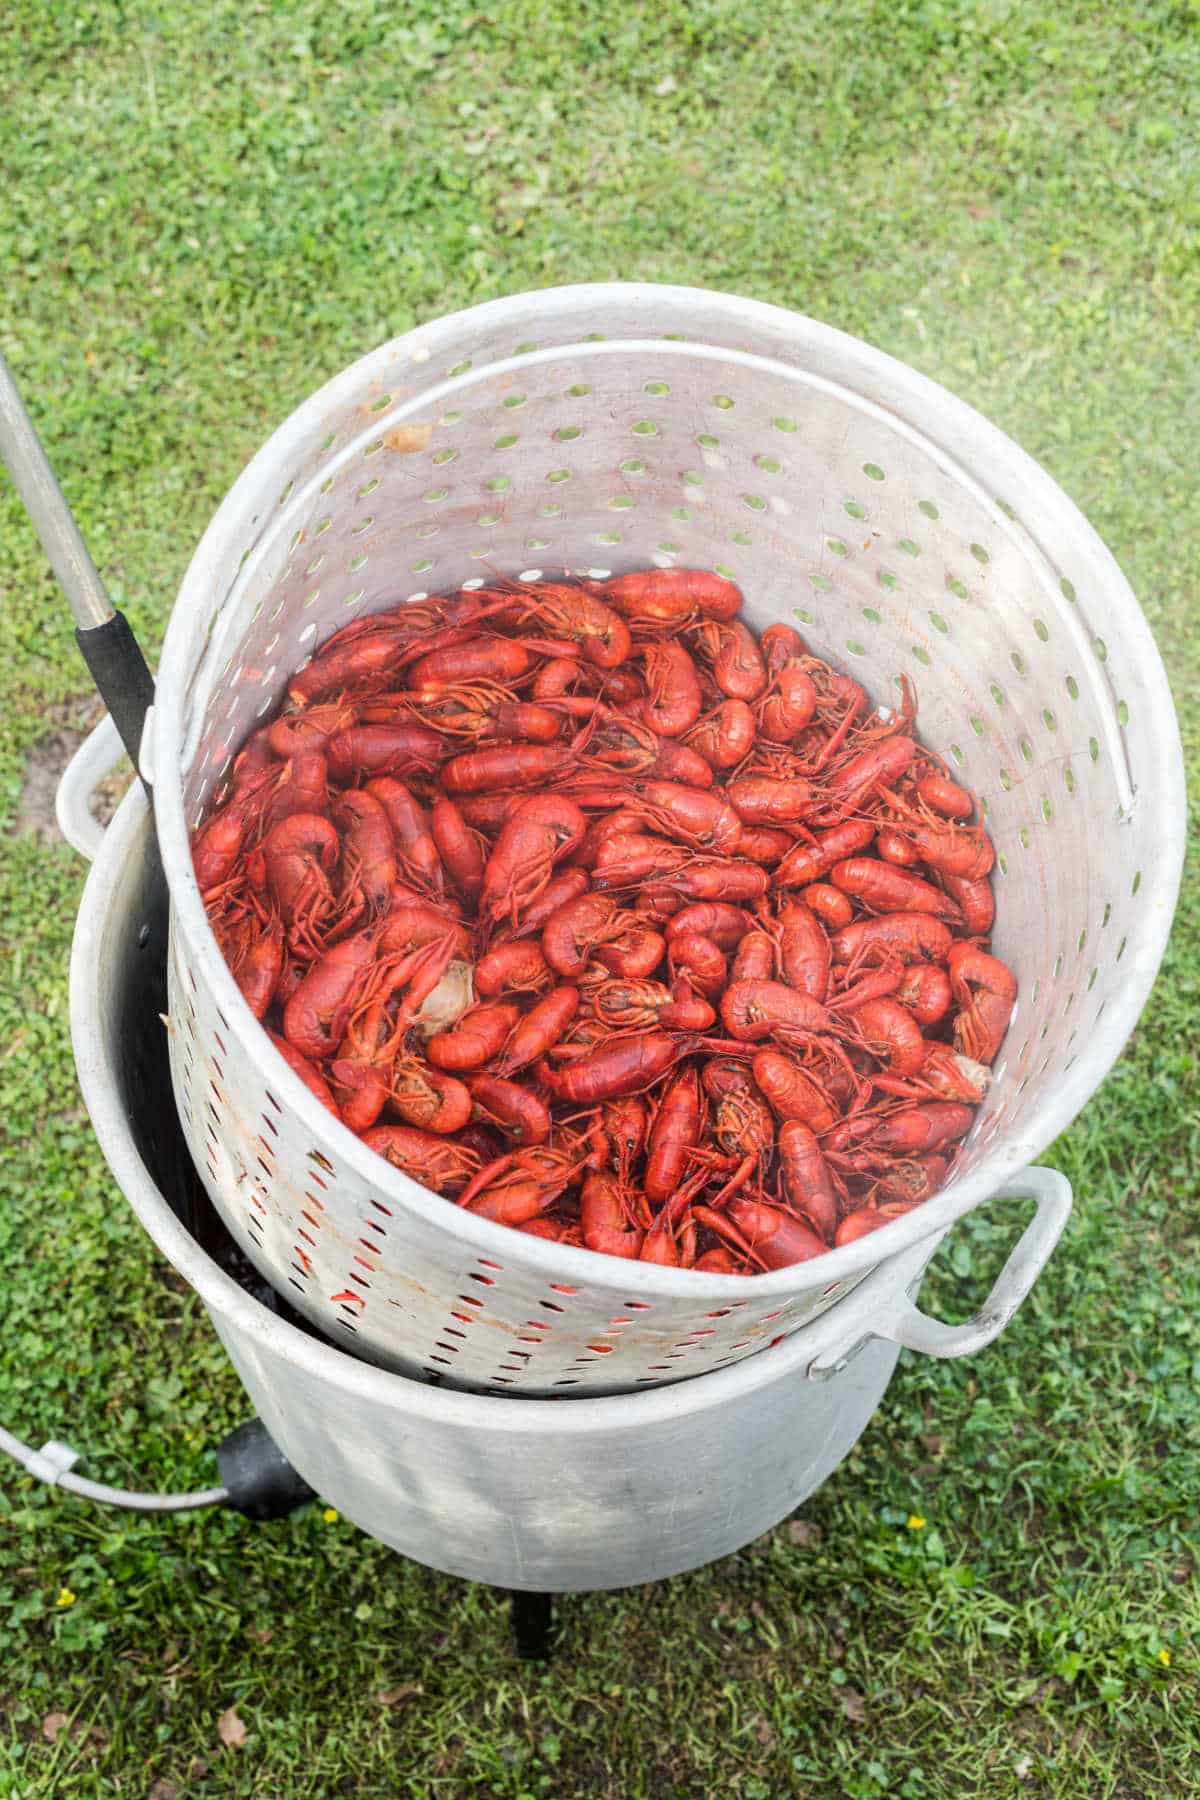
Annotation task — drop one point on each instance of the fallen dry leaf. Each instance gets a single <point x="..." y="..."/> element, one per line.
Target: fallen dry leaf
<point x="929" y="1440"/>
<point x="52" y="1724"/>
<point x="262" y="1634"/>
<point x="407" y="438"/>
<point x="763" y="1732"/>
<point x="853" y="1704"/>
<point x="1021" y="1768"/>
<point x="803" y="1534"/>
<point x="164" y="1790"/>
<point x="230" y="1729"/>
<point x="393" y="1696"/>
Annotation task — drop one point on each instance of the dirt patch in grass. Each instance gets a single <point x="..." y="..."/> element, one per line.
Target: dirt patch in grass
<point x="68" y="723"/>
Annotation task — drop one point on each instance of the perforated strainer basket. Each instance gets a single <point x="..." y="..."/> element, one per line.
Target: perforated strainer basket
<point x="608" y="428"/>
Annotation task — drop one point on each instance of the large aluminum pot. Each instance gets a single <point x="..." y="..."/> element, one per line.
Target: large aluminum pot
<point x="523" y="1493"/>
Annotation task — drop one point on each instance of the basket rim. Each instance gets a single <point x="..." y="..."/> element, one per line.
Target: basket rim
<point x="914" y="399"/>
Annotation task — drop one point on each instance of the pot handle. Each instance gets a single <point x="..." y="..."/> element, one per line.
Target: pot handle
<point x="96" y="757"/>
<point x="894" y="1315"/>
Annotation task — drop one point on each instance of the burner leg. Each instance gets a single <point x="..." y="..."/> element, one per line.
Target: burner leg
<point x="533" y="1625"/>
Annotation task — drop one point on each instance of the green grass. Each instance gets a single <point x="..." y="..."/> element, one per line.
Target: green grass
<point x="210" y="209"/>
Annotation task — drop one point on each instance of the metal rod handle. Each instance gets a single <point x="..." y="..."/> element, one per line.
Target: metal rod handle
<point x="105" y="640"/>
<point x="35" y="481"/>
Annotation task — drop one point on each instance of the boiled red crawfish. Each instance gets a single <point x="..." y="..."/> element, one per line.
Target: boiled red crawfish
<point x="584" y="906"/>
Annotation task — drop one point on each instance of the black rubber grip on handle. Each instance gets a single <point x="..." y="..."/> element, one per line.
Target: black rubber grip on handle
<point x="121" y="675"/>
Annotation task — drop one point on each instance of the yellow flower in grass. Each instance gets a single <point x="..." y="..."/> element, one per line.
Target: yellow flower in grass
<point x="916" y="1522"/>
<point x="65" y="1597"/>
<point x="329" y="1516"/>
<point x="1164" y="1657"/>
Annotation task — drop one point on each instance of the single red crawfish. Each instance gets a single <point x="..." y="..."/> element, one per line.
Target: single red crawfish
<point x="635" y="952"/>
<point x="725" y="736"/>
<point x="913" y="1180"/>
<point x="975" y="901"/>
<point x="698" y="817"/>
<point x="253" y="764"/>
<point x="462" y="851"/>
<point x="947" y="1075"/>
<point x="435" y="1162"/>
<point x="673" y="701"/>
<point x="908" y="937"/>
<point x="829" y="904"/>
<point x="767" y="1237"/>
<point x="513" y="1108"/>
<point x="780" y="645"/>
<point x="891" y="1033"/>
<point x="532" y="1036"/>
<point x="965" y="851"/>
<point x="925" y="989"/>
<point x="757" y="800"/>
<point x="341" y="980"/>
<point x="945" y="796"/>
<point x="615" y="743"/>
<point x="535" y="836"/>
<point x="428" y="1098"/>
<point x="308" y="1072"/>
<point x="631" y="1005"/>
<point x="726" y="925"/>
<point x="883" y="888"/>
<point x="555" y="1231"/>
<point x="912" y="1129"/>
<point x="624" y="1126"/>
<point x="671" y="597"/>
<point x="475" y="1039"/>
<point x="576" y="928"/>
<point x="217" y="846"/>
<point x="517" y="967"/>
<point x="507" y="766"/>
<point x="986" y="992"/>
<point x="366" y="750"/>
<point x="603" y="1219"/>
<point x="730" y="650"/>
<point x="483" y="658"/>
<point x="807" y="1179"/>
<point x="743" y="1126"/>
<point x="675" y="762"/>
<point x="310" y="729"/>
<point x="676" y="1133"/>
<point x="416" y="850"/>
<point x="300" y="786"/>
<point x="626" y="1064"/>
<point x="363" y="665"/>
<point x="803" y="949"/>
<point x="479" y="711"/>
<point x="895" y="849"/>
<point x="362" y="1071"/>
<point x="788" y="705"/>
<point x="809" y="862"/>
<point x="578" y="616"/>
<point x="293" y="865"/>
<point x="631" y="857"/>
<point x="848" y="788"/>
<point x="253" y="950"/>
<point x="368" y="854"/>
<point x="703" y="879"/>
<point x="753" y="1010"/>
<point x="415" y="925"/>
<point x="866" y="1219"/>
<point x="486" y="812"/>
<point x="754" y="958"/>
<point x="523" y="1183"/>
<point x="794" y="1092"/>
<point x="699" y="962"/>
<point x="764" y="844"/>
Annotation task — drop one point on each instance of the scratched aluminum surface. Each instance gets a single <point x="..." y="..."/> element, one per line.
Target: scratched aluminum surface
<point x="596" y="429"/>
